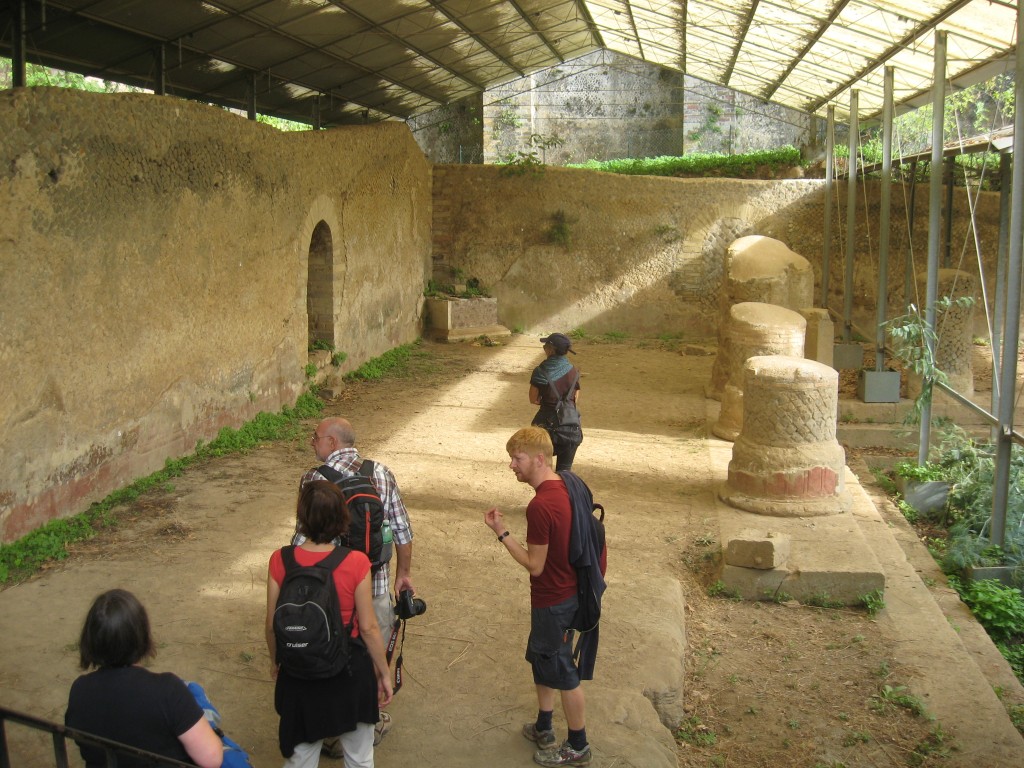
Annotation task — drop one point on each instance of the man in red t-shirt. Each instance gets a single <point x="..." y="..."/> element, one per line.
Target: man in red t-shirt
<point x="552" y="597"/>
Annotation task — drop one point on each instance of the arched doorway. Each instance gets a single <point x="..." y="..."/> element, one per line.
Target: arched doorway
<point x="320" y="286"/>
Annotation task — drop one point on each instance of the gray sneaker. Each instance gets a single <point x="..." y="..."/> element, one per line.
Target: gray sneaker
<point x="332" y="748"/>
<point x="381" y="729"/>
<point x="543" y="739"/>
<point x="563" y="755"/>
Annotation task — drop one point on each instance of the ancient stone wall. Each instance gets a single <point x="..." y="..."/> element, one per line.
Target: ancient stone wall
<point x="605" y="105"/>
<point x="452" y="133"/>
<point x="563" y="248"/>
<point x="154" y="269"/>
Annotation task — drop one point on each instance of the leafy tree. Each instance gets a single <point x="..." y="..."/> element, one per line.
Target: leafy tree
<point x="37" y="75"/>
<point x="281" y="124"/>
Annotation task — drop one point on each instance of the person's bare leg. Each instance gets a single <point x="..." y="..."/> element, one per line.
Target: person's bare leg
<point x="545" y="698"/>
<point x="575" y="708"/>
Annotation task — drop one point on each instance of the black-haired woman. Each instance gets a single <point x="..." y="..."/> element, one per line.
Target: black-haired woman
<point x="122" y="701"/>
<point x="555" y="380"/>
<point x="348" y="703"/>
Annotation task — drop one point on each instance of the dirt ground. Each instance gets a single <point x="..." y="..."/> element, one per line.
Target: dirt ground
<point x="745" y="684"/>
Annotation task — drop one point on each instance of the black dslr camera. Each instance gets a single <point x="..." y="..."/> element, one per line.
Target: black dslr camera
<point x="409" y="606"/>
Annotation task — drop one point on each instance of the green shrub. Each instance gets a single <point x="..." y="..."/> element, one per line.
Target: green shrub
<point x="700" y="164"/>
<point x="694" y="732"/>
<point x="926" y="472"/>
<point x="559" y="233"/>
<point x="394" y="362"/>
<point x="999" y="608"/>
<point x="873" y="601"/>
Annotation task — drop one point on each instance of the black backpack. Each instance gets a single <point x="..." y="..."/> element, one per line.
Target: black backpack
<point x="312" y="641"/>
<point x="366" y="512"/>
<point x="566" y="414"/>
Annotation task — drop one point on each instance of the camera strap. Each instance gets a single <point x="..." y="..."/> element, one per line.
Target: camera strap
<point x="390" y="651"/>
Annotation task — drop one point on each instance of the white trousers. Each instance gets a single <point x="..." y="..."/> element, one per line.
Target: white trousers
<point x="357" y="746"/>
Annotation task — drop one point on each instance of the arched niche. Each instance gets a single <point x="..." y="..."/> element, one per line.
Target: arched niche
<point x="320" y="285"/>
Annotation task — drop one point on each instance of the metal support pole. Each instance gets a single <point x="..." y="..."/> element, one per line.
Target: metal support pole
<point x="18" y="52"/>
<point x="882" y="308"/>
<point x="851" y="219"/>
<point x="999" y="310"/>
<point x="830" y="156"/>
<point x="252" y="96"/>
<point x="161" y="70"/>
<point x="909" y="279"/>
<point x="950" y="176"/>
<point x="934" y="221"/>
<point x="1011" y="332"/>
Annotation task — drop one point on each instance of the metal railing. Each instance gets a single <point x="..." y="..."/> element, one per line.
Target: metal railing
<point x="61" y="734"/>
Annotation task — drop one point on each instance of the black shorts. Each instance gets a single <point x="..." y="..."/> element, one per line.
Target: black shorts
<point x="549" y="649"/>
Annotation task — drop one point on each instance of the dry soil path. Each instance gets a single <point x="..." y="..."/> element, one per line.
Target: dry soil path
<point x="197" y="557"/>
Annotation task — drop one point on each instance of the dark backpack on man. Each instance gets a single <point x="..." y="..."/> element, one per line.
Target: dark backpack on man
<point x="366" y="513"/>
<point x="587" y="548"/>
<point x="588" y="611"/>
<point x="312" y="641"/>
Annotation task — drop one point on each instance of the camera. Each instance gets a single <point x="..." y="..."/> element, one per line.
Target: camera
<point x="409" y="606"/>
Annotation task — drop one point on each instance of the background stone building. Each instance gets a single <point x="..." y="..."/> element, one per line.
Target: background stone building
<point x="603" y="106"/>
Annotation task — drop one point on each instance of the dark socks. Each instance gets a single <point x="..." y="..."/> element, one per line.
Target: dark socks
<point x="578" y="739"/>
<point x="543" y="720"/>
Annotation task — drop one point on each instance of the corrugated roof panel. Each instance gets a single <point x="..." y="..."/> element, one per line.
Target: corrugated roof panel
<point x="304" y="18"/>
<point x="994" y="31"/>
<point x="149" y="17"/>
<point x="703" y="70"/>
<point x="435" y="50"/>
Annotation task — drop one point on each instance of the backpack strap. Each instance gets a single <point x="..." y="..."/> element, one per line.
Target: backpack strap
<point x="331" y="562"/>
<point x="288" y="558"/>
<point x="330" y="473"/>
<point x="568" y="393"/>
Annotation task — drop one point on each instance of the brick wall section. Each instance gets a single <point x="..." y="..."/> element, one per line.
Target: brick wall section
<point x="441" y="233"/>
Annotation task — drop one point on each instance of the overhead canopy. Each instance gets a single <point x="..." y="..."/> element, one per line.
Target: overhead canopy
<point x="355" y="60"/>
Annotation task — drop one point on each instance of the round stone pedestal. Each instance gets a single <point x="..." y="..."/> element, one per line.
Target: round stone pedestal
<point x="754" y="329"/>
<point x="760" y="269"/>
<point x="786" y="461"/>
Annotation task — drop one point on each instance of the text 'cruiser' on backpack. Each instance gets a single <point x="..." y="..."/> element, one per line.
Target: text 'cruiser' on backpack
<point x="312" y="641"/>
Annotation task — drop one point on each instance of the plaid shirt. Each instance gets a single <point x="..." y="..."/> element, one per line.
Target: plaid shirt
<point x="347" y="461"/>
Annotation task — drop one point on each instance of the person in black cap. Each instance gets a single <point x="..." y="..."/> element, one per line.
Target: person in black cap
<point x="555" y="387"/>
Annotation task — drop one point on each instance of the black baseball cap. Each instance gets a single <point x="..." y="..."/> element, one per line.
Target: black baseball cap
<point x="560" y="342"/>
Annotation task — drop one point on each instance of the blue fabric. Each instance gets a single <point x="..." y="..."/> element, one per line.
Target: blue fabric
<point x="585" y="557"/>
<point x="234" y="755"/>
<point x="552" y="369"/>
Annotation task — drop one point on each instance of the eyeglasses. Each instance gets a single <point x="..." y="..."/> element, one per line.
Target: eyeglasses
<point x="316" y="437"/>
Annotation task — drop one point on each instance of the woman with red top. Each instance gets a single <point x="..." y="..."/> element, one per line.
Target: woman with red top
<point x="346" y="704"/>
